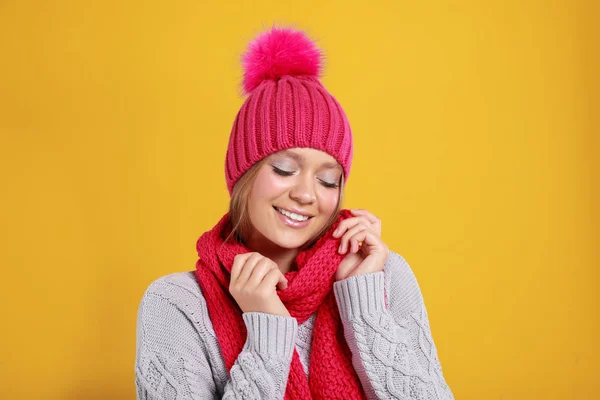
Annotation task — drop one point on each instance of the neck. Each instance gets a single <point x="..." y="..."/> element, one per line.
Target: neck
<point x="284" y="258"/>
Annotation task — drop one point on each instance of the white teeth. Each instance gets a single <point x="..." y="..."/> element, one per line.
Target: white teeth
<point x="294" y="216"/>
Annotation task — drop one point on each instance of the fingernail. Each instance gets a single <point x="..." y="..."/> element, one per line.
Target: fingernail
<point x="335" y="233"/>
<point x="340" y="249"/>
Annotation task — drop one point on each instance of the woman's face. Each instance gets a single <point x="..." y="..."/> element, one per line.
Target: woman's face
<point x="293" y="196"/>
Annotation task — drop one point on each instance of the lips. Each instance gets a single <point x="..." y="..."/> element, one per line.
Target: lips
<point x="294" y="215"/>
<point x="289" y="220"/>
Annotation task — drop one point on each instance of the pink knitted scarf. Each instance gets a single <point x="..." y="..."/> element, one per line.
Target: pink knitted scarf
<point x="310" y="289"/>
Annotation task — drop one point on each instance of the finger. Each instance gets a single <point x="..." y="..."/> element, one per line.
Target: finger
<point x="356" y="240"/>
<point x="372" y="218"/>
<point x="248" y="267"/>
<point x="238" y="264"/>
<point x="259" y="271"/>
<point x="273" y="278"/>
<point x="282" y="282"/>
<point x="349" y="223"/>
<point x="372" y="243"/>
<point x="357" y="237"/>
<point x="344" y="245"/>
<point x="359" y="211"/>
<point x="345" y="267"/>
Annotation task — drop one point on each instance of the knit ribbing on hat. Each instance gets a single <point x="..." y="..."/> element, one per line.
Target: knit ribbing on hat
<point x="290" y="112"/>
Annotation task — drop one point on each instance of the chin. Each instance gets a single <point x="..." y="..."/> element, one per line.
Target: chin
<point x="283" y="236"/>
<point x="288" y="243"/>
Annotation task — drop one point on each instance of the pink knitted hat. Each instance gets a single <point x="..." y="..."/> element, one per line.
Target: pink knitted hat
<point x="287" y="106"/>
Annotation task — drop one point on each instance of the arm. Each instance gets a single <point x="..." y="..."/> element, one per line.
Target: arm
<point x="262" y="368"/>
<point x="178" y="356"/>
<point x="392" y="348"/>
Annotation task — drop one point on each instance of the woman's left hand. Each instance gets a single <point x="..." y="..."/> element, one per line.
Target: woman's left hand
<point x="367" y="258"/>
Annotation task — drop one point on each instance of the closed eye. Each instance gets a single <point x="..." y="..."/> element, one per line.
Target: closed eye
<point x="282" y="172"/>
<point x="328" y="184"/>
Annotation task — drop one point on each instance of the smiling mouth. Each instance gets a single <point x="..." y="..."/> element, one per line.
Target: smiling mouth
<point x="291" y="215"/>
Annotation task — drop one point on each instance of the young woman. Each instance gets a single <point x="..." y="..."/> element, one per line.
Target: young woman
<point x="292" y="297"/>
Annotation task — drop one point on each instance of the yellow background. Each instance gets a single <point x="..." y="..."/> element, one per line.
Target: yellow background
<point x="476" y="135"/>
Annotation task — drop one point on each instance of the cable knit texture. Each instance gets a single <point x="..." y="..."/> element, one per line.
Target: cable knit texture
<point x="178" y="355"/>
<point x="310" y="289"/>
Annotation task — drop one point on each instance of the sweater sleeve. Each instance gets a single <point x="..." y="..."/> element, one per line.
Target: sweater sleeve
<point x="178" y="357"/>
<point x="392" y="347"/>
<point x="262" y="368"/>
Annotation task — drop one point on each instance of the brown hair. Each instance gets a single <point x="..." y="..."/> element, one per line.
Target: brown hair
<point x="238" y="206"/>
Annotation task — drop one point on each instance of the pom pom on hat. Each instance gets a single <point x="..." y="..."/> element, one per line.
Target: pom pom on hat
<point x="279" y="52"/>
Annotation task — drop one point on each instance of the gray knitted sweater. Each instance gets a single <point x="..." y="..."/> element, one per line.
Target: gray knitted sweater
<point x="393" y="353"/>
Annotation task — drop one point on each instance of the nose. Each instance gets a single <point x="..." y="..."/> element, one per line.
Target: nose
<point x="304" y="191"/>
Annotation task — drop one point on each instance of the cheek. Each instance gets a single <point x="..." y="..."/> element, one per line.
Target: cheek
<point x="328" y="200"/>
<point x="267" y="186"/>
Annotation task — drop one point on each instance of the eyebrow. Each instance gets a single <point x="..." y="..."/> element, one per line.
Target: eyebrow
<point x="300" y="158"/>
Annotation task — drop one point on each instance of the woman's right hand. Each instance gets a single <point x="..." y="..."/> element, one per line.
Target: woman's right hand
<point x="254" y="281"/>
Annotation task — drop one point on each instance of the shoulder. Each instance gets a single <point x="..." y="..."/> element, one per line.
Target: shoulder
<point x="175" y="341"/>
<point x="175" y="285"/>
<point x="179" y="289"/>
<point x="401" y="284"/>
<point x="175" y="297"/>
